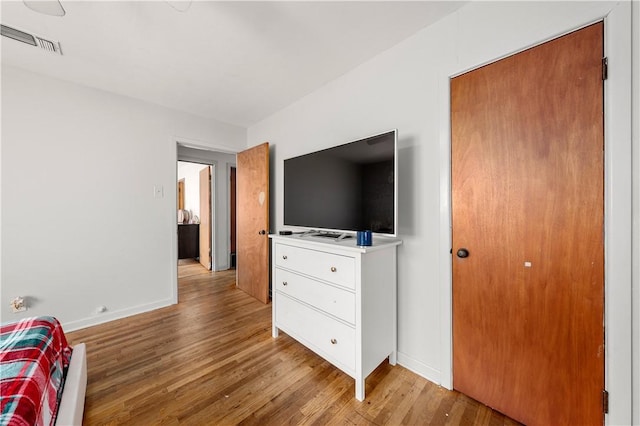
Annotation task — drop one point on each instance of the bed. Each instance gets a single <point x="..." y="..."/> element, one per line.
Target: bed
<point x="42" y="379"/>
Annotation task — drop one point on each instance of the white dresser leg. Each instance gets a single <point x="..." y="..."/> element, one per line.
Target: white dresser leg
<point x="393" y="358"/>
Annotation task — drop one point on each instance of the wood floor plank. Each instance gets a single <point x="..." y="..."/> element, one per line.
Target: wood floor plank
<point x="403" y="399"/>
<point x="210" y="360"/>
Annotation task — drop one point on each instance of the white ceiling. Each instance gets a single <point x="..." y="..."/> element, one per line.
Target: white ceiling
<point x="236" y="62"/>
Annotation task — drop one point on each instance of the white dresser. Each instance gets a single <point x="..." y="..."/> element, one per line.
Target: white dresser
<point x="337" y="299"/>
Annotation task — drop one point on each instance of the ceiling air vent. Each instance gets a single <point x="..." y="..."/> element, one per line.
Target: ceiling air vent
<point x="32" y="39"/>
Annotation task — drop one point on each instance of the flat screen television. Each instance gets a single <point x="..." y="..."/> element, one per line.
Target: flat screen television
<point x="350" y="187"/>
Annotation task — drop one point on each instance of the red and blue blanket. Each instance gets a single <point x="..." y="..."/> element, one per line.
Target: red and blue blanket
<point x="33" y="357"/>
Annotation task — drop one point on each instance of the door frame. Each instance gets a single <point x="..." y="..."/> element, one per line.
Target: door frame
<point x="229" y="167"/>
<point x="190" y="143"/>
<point x="618" y="205"/>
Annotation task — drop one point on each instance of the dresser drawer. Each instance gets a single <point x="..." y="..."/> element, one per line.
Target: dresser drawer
<point x="330" y="267"/>
<point x="333" y="339"/>
<point x="333" y="300"/>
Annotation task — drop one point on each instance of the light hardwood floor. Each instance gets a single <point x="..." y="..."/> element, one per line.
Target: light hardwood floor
<point x="211" y="360"/>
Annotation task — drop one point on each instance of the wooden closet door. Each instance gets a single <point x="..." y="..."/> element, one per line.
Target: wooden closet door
<point x="527" y="203"/>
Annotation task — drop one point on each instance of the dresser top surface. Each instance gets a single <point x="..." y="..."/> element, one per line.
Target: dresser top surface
<point x="349" y="244"/>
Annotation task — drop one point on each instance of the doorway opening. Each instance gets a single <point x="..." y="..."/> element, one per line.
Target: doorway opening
<point x="194" y="203"/>
<point x="251" y="166"/>
<point x="217" y="248"/>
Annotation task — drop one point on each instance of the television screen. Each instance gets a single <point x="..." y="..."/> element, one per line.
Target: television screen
<point x="350" y="187"/>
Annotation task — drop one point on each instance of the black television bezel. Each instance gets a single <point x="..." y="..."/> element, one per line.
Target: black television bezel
<point x="308" y="228"/>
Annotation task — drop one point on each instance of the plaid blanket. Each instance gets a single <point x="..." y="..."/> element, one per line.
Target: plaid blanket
<point x="33" y="357"/>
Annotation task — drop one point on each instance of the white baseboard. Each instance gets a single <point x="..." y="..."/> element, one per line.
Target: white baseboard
<point x="110" y="316"/>
<point x="420" y="368"/>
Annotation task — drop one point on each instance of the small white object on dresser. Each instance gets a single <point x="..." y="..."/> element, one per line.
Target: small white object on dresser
<point x="337" y="299"/>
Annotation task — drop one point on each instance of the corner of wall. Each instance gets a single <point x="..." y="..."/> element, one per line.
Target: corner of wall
<point x="635" y="132"/>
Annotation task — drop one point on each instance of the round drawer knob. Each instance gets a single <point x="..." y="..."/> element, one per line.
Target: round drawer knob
<point x="284" y="283"/>
<point x="334" y="341"/>
<point x="284" y="257"/>
<point x="333" y="269"/>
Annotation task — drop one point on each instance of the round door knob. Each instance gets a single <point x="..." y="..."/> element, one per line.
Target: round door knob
<point x="262" y="232"/>
<point x="284" y="257"/>
<point x="333" y="269"/>
<point x="284" y="283"/>
<point x="462" y="253"/>
<point x="334" y="341"/>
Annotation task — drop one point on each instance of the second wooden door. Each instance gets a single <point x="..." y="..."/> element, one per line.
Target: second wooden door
<point x="252" y="236"/>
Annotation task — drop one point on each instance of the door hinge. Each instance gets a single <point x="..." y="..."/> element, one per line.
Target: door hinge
<point x="605" y="401"/>
<point x="605" y="68"/>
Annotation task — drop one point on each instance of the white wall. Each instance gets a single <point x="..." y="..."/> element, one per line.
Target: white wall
<point x="221" y="197"/>
<point x="80" y="225"/>
<point x="636" y="211"/>
<point x="407" y="88"/>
